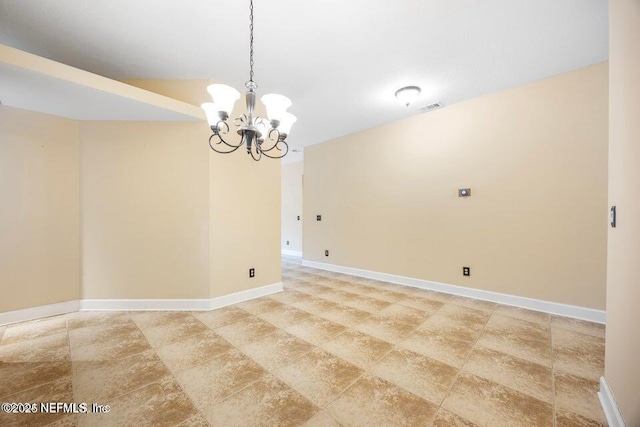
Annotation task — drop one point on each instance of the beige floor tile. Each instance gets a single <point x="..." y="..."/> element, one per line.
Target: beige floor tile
<point x="578" y="354"/>
<point x="517" y="338"/>
<point x="582" y="326"/>
<point x="357" y="348"/>
<point x="402" y="313"/>
<point x="372" y="401"/>
<point x="290" y="297"/>
<point x="422" y="376"/>
<point x="315" y="329"/>
<point x="543" y="319"/>
<point x="21" y="376"/>
<point x="365" y="303"/>
<point x="219" y="378"/>
<point x="176" y="330"/>
<point x="566" y="418"/>
<point x="344" y="315"/>
<point x="452" y="327"/>
<point x="192" y="350"/>
<point x="319" y="376"/>
<point x="162" y="403"/>
<point x="198" y="420"/>
<point x="351" y="287"/>
<point x="67" y="421"/>
<point x="427" y="294"/>
<point x="519" y="374"/>
<point x="245" y="330"/>
<point x="83" y="319"/>
<point x="26" y="331"/>
<point x="324" y="280"/>
<point x="579" y="396"/>
<point x="438" y="346"/>
<point x="267" y="402"/>
<point x="322" y="419"/>
<point x="102" y="381"/>
<point x="423" y="304"/>
<point x="275" y="350"/>
<point x="468" y="315"/>
<point x="56" y="391"/>
<point x="150" y="319"/>
<point x="311" y="288"/>
<point x="385" y="328"/>
<point x="297" y="284"/>
<point x="474" y="303"/>
<point x="487" y="403"/>
<point x="337" y="295"/>
<point x="260" y="305"/>
<point x="387" y="295"/>
<point x="114" y="346"/>
<point x="512" y="325"/>
<point x="445" y="418"/>
<point x="517" y="345"/>
<point x="221" y="316"/>
<point x="48" y="348"/>
<point x="285" y="316"/>
<point x="314" y="305"/>
<point x="98" y="332"/>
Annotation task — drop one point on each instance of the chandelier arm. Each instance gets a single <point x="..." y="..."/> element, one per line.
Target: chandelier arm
<point x="271" y="138"/>
<point x="225" y="124"/>
<point x="220" y="140"/>
<point x="224" y="131"/>
<point x="286" y="150"/>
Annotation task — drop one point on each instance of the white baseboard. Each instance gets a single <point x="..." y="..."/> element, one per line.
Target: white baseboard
<point x="203" y="304"/>
<point x="583" y="313"/>
<point x="38" y="312"/>
<point x="609" y="406"/>
<point x="292" y="253"/>
<point x="237" y="297"/>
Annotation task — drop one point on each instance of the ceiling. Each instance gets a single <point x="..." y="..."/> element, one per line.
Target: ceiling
<point x="339" y="61"/>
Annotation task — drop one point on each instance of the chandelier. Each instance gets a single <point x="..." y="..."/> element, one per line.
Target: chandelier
<point x="261" y="137"/>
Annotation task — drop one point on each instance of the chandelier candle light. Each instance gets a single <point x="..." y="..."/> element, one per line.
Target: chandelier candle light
<point x="253" y="130"/>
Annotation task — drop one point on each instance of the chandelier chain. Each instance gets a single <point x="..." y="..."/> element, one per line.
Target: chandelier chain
<point x="251" y="40"/>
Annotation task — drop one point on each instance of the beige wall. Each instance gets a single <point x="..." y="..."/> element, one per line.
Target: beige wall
<point x="535" y="158"/>
<point x="245" y="222"/>
<point x="40" y="214"/>
<point x="292" y="206"/>
<point x="622" y="370"/>
<point x="145" y="210"/>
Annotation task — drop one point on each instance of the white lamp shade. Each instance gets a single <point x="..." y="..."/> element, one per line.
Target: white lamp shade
<point x="276" y="105"/>
<point x="286" y="121"/>
<point x="211" y="111"/>
<point x="224" y="97"/>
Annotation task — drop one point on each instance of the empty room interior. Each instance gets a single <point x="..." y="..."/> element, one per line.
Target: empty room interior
<point x="320" y="213"/>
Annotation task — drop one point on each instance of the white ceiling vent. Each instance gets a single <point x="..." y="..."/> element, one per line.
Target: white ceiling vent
<point x="430" y="107"/>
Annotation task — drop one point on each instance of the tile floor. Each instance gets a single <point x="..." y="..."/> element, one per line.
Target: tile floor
<point x="330" y="350"/>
